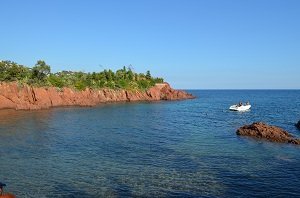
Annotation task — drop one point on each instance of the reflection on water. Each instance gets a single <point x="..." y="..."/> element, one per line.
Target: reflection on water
<point x="183" y="148"/>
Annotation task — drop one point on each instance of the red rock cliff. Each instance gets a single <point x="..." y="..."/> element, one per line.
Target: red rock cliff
<point x="14" y="96"/>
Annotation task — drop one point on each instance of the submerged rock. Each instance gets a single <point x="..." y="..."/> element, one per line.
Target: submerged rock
<point x="298" y="125"/>
<point x="261" y="130"/>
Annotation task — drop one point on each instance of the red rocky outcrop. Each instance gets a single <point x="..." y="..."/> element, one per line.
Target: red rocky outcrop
<point x="15" y="96"/>
<point x="261" y="130"/>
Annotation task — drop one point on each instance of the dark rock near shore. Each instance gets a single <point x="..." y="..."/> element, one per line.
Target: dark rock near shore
<point x="298" y="125"/>
<point x="261" y="130"/>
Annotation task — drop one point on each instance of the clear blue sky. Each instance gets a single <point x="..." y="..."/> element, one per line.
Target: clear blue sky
<point x="191" y="43"/>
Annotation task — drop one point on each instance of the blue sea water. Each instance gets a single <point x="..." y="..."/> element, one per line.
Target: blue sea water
<point x="161" y="149"/>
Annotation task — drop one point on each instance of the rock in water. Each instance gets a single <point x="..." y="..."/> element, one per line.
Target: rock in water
<point x="261" y="130"/>
<point x="298" y="125"/>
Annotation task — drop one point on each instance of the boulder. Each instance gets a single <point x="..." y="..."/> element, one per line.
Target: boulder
<point x="261" y="130"/>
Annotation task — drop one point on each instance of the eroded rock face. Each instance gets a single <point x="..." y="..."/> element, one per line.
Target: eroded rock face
<point x="261" y="130"/>
<point x="298" y="125"/>
<point x="14" y="96"/>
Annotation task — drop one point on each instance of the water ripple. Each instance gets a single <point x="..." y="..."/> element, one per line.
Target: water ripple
<point x="165" y="149"/>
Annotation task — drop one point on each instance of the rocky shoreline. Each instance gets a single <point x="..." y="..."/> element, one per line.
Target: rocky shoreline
<point x="260" y="130"/>
<point x="25" y="97"/>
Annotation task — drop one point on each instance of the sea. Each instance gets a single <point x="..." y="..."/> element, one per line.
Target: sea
<point x="183" y="148"/>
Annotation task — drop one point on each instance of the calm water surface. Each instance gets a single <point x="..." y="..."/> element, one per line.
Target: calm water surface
<point x="162" y="149"/>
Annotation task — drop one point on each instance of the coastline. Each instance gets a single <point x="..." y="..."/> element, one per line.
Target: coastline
<point x="26" y="97"/>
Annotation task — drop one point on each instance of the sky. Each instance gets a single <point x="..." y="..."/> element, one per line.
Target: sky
<point x="192" y="44"/>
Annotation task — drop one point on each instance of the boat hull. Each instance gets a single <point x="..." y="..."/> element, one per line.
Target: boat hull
<point x="240" y="108"/>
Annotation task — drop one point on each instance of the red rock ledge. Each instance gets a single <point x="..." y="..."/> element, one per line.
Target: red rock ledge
<point x="25" y="97"/>
<point x="261" y="130"/>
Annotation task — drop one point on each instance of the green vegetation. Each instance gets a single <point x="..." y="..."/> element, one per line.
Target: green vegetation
<point x="40" y="75"/>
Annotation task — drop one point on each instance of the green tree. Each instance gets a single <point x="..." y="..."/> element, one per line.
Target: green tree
<point x="40" y="71"/>
<point x="130" y="75"/>
<point x="148" y="75"/>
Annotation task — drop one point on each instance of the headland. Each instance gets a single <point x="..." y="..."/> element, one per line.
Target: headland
<point x="32" y="88"/>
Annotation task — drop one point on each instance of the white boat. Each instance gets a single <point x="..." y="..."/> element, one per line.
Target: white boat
<point x="239" y="108"/>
